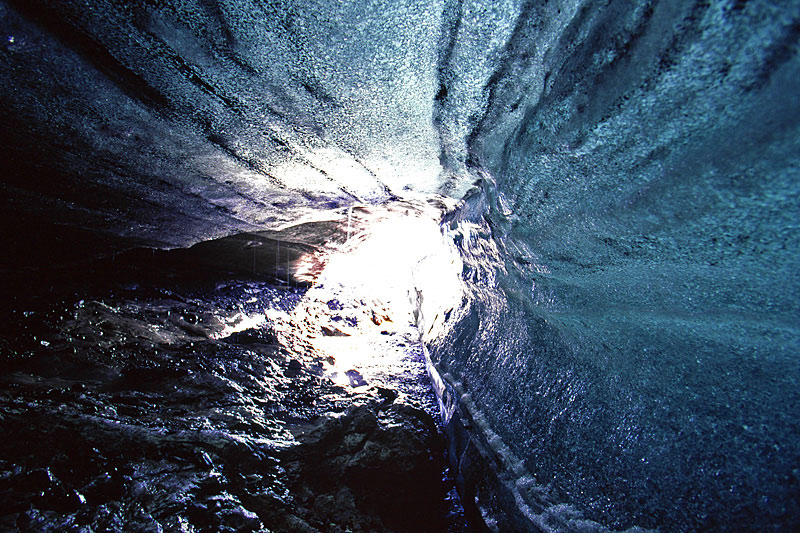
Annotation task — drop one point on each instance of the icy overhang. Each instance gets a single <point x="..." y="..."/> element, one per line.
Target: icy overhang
<point x="166" y="124"/>
<point x="170" y="124"/>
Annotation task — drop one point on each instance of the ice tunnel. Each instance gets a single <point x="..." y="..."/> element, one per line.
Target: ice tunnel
<point x="413" y="265"/>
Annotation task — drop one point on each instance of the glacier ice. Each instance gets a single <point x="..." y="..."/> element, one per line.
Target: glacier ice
<point x="626" y="354"/>
<point x="637" y="345"/>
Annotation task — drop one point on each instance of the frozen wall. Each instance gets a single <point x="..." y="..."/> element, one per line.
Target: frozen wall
<point x="167" y="123"/>
<point x="640" y="352"/>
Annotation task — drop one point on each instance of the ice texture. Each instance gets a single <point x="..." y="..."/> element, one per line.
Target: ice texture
<point x="638" y="347"/>
<point x="628" y="344"/>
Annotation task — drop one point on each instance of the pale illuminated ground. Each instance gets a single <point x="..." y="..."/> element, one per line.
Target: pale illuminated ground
<point x="362" y="312"/>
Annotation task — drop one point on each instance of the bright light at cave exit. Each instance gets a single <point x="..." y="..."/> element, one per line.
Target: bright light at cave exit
<point x="397" y="272"/>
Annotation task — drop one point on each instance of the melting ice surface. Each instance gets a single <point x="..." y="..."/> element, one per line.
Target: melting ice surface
<point x="638" y="389"/>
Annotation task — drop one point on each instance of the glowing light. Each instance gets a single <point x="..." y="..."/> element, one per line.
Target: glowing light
<point x="403" y="263"/>
<point x="390" y="284"/>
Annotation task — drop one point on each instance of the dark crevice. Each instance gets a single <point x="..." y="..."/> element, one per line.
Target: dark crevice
<point x="452" y="15"/>
<point x="252" y="164"/>
<point x="777" y="54"/>
<point x="516" y="55"/>
<point x="95" y="54"/>
<point x="228" y="45"/>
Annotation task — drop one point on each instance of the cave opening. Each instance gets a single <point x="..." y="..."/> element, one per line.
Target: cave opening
<point x="570" y="229"/>
<point x="263" y="378"/>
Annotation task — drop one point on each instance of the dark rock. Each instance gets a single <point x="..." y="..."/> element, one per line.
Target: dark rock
<point x="248" y="337"/>
<point x="389" y="395"/>
<point x="145" y="428"/>
<point x="331" y="331"/>
<point x="335" y="305"/>
<point x="240" y="519"/>
<point x="293" y="369"/>
<point x="356" y="379"/>
<point x="104" y="488"/>
<point x="367" y="469"/>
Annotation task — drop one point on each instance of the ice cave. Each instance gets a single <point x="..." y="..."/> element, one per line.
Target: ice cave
<point x="400" y="265"/>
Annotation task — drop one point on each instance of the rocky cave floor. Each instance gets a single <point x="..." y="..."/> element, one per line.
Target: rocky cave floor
<point x="150" y="401"/>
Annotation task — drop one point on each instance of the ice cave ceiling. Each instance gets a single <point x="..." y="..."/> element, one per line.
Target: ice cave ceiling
<point x="639" y="169"/>
<point x="166" y="123"/>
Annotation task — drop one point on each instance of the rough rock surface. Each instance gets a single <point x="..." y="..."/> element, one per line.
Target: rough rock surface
<point x="167" y="404"/>
<point x="373" y="468"/>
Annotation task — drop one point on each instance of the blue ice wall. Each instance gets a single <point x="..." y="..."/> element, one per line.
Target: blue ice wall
<point x="638" y="349"/>
<point x="628" y="352"/>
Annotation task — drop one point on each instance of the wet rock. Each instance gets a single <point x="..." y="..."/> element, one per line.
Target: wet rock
<point x="330" y="331"/>
<point x="368" y="467"/>
<point x="240" y="519"/>
<point x="356" y="379"/>
<point x="294" y="369"/>
<point x="195" y="330"/>
<point x="388" y="395"/>
<point x="223" y="513"/>
<point x="148" y="428"/>
<point x="251" y="337"/>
